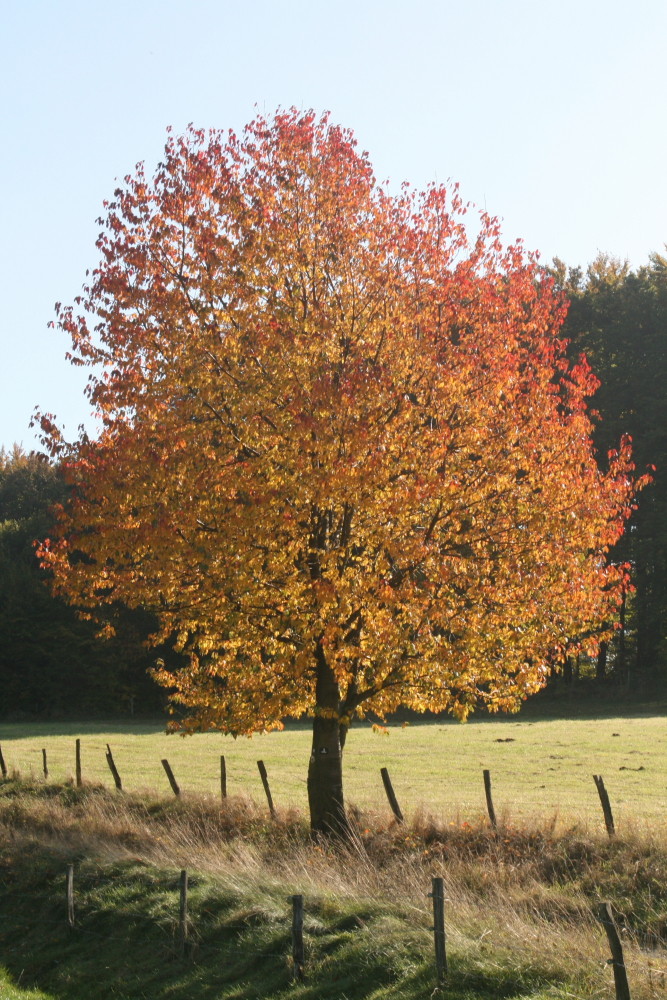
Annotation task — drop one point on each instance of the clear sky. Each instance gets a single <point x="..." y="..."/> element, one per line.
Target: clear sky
<point x="553" y="116"/>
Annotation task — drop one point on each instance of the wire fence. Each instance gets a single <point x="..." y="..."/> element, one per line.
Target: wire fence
<point x="536" y="775"/>
<point x="289" y="929"/>
<point x="386" y="781"/>
<point x="290" y="940"/>
<point x="178" y="914"/>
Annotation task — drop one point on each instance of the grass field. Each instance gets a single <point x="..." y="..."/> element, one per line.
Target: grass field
<point x="541" y="769"/>
<point x="519" y="910"/>
<point x="520" y="900"/>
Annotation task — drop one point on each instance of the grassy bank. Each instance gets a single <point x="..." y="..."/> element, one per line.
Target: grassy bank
<point x="519" y="902"/>
<point x="539" y="767"/>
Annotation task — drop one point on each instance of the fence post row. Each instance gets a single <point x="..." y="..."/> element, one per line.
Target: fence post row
<point x="437" y="895"/>
<point x="603" y="911"/>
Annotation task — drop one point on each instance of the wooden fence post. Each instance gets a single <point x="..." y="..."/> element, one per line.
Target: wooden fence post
<point x="223" y="778"/>
<point x="172" y="780"/>
<point x="267" y="790"/>
<point x="605" y="917"/>
<point x="44" y="765"/>
<point x="297" y="936"/>
<point x="79" y="780"/>
<point x="113" y="769"/>
<point x="606" y="805"/>
<point x="70" y="895"/>
<point x="183" y="913"/>
<point x="3" y="766"/>
<point x="489" y="799"/>
<point x="389" y="789"/>
<point x="437" y="894"/>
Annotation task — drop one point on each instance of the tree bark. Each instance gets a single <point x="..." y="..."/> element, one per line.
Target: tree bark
<point x="325" y="771"/>
<point x="568" y="673"/>
<point x="601" y="663"/>
<point x="624" y="673"/>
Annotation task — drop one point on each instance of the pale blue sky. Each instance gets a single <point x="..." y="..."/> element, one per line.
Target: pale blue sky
<point x="552" y="115"/>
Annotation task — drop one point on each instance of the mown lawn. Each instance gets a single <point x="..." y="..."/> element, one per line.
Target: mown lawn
<point x="541" y="769"/>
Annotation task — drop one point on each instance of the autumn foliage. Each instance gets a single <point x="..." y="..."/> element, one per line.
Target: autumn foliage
<point x="343" y="455"/>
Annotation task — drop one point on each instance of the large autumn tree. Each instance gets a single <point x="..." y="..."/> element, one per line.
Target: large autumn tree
<point x="343" y="456"/>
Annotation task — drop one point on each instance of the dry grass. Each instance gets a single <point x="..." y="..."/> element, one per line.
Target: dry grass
<point x="519" y="899"/>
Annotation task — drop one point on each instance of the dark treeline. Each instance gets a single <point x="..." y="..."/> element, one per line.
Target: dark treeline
<point x="53" y="665"/>
<point x="618" y="319"/>
<point x="51" y="662"/>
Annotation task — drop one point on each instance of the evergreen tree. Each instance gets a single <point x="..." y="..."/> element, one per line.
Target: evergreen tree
<point x="618" y="318"/>
<point x="51" y="663"/>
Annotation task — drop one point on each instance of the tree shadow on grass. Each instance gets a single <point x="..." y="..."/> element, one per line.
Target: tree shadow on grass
<point x="36" y="730"/>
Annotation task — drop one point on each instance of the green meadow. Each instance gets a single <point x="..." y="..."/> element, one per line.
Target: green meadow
<point x="541" y="769"/>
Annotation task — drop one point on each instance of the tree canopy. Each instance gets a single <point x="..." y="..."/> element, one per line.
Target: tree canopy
<point x="344" y="456"/>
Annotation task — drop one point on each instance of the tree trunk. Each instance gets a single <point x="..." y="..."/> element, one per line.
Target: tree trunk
<point x="624" y="673"/>
<point x="568" y="674"/>
<point x="325" y="771"/>
<point x="601" y="663"/>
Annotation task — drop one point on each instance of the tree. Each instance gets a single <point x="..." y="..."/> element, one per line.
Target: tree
<point x="343" y="456"/>
<point x="618" y="317"/>
<point x="51" y="664"/>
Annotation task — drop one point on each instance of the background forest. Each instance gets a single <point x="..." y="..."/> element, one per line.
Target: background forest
<point x="52" y="665"/>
